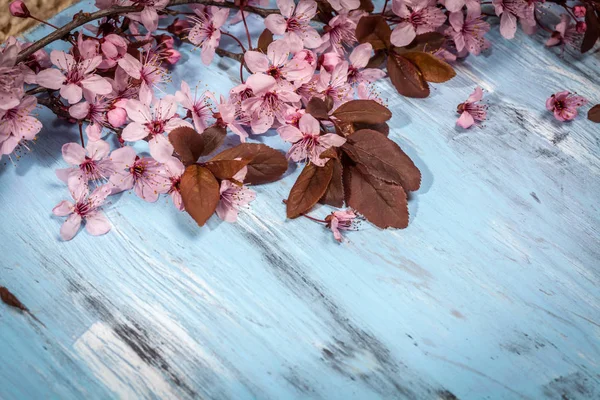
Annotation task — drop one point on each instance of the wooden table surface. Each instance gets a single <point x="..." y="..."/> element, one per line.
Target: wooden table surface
<point x="492" y="292"/>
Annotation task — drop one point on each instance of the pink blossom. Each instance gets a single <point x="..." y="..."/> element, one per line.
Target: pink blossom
<point x="18" y="9"/>
<point x="233" y="197"/>
<point x="11" y="77"/>
<point x="151" y="120"/>
<point x="342" y="6"/>
<point x="473" y="6"/>
<point x="579" y="11"/>
<point x="470" y="111"/>
<point x="342" y="220"/>
<point x="308" y="143"/>
<point x="417" y="17"/>
<point x="269" y="103"/>
<point x="564" y="105"/>
<point x="145" y="175"/>
<point x="76" y="76"/>
<point x="294" y="23"/>
<point x="206" y="32"/>
<point x="511" y="10"/>
<point x="16" y="124"/>
<point x="173" y="171"/>
<point x="95" y="109"/>
<point x="468" y="35"/>
<point x="359" y="58"/>
<point x="339" y="34"/>
<point x="88" y="164"/>
<point x="196" y="106"/>
<point x="277" y="64"/>
<point x="149" y="15"/>
<point x="147" y="70"/>
<point x="114" y="49"/>
<point x="85" y="209"/>
<point x="580" y="27"/>
<point x="335" y="84"/>
<point x="564" y="33"/>
<point x="230" y="115"/>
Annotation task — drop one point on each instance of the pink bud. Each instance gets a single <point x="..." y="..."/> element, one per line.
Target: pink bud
<point x="172" y="56"/>
<point x="579" y="11"/>
<point x="18" y="9"/>
<point x="581" y="27"/>
<point x="178" y="27"/>
<point x="330" y="60"/>
<point x="117" y="117"/>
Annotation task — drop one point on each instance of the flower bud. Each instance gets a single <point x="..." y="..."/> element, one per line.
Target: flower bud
<point x="581" y="27"/>
<point x="579" y="11"/>
<point x="178" y="27"/>
<point x="18" y="9"/>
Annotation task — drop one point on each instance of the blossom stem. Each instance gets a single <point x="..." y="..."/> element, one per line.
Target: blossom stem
<point x="321" y="221"/>
<point x="43" y="22"/>
<point x="384" y="7"/>
<point x="81" y="133"/>
<point x="236" y="39"/>
<point x="246" y="26"/>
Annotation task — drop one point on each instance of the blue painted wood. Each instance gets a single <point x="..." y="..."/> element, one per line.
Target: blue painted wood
<point x="491" y="292"/>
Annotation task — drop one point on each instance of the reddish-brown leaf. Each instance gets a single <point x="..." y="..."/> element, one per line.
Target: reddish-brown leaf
<point x="308" y="189"/>
<point x="383" y="158"/>
<point x="375" y="30"/>
<point x="592" y="32"/>
<point x="265" y="164"/>
<point x="366" y="5"/>
<point x="377" y="59"/>
<point x="334" y="195"/>
<point x="383" y="204"/>
<point x="200" y="193"/>
<point x="383" y="127"/>
<point x="428" y="42"/>
<point x="10" y="299"/>
<point x="432" y="68"/>
<point x="406" y="77"/>
<point x="367" y="111"/>
<point x="317" y="108"/>
<point x="190" y="145"/>
<point x="264" y="40"/>
<point x="225" y="169"/>
<point x="594" y="114"/>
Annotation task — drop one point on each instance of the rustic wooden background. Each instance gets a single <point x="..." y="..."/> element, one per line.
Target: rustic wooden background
<point x="42" y="9"/>
<point x="491" y="293"/>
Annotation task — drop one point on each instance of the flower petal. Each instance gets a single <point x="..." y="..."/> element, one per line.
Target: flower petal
<point x="96" y="224"/>
<point x="70" y="227"/>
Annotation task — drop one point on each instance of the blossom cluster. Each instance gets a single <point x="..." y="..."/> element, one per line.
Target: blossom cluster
<point x="299" y="78"/>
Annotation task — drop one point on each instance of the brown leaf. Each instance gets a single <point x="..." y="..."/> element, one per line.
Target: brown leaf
<point x="331" y="152"/>
<point x="264" y="40"/>
<point x="213" y="138"/>
<point x="432" y="68"/>
<point x="592" y="32"/>
<point x="382" y="128"/>
<point x="308" y="189"/>
<point x="367" y="111"/>
<point x="317" y="108"/>
<point x="406" y="77"/>
<point x="383" y="158"/>
<point x="594" y="114"/>
<point x="190" y="145"/>
<point x="10" y="299"/>
<point x="377" y="59"/>
<point x="383" y="204"/>
<point x="265" y="163"/>
<point x="200" y="193"/>
<point x="334" y="195"/>
<point x="225" y="169"/>
<point x="366" y="5"/>
<point x="375" y="30"/>
<point x="427" y="42"/>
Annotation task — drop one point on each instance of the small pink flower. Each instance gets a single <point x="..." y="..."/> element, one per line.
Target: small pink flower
<point x="294" y="23"/>
<point x="335" y="84"/>
<point x="580" y="27"/>
<point x="173" y="171"/>
<point x="11" y="77"/>
<point x="277" y="64"/>
<point x="230" y="115"/>
<point x="511" y="10"/>
<point x="149" y="15"/>
<point x="16" y="125"/>
<point x="308" y="141"/>
<point x="564" y="105"/>
<point x="473" y="6"/>
<point x="341" y="221"/>
<point x="85" y="209"/>
<point x="564" y="33"/>
<point x="339" y="34"/>
<point x="196" y="106"/>
<point x="206" y="32"/>
<point x="579" y="11"/>
<point x="89" y="164"/>
<point x="18" y="9"/>
<point x="342" y="6"/>
<point x="95" y="109"/>
<point x="470" y="111"/>
<point x="468" y="35"/>
<point x="147" y="177"/>
<point x="233" y="197"/>
<point x="76" y="76"/>
<point x="417" y="17"/>
<point x="359" y="58"/>
<point x="152" y="120"/>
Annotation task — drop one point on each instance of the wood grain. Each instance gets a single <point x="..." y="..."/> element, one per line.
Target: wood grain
<point x="491" y="292"/>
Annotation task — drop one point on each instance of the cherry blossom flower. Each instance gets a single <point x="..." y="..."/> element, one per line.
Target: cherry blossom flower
<point x="196" y="106"/>
<point x="294" y="23"/>
<point x="173" y="171"/>
<point x="308" y="143"/>
<point x="470" y="111"/>
<point x="511" y="10"/>
<point x="564" y="105"/>
<point x="579" y="11"/>
<point x="88" y="164"/>
<point x="11" y="77"/>
<point x="149" y="15"/>
<point x="473" y="6"/>
<point x="418" y="17"/>
<point x="342" y="220"/>
<point x="564" y="33"/>
<point x="344" y="5"/>
<point x="76" y="76"/>
<point x="270" y="102"/>
<point x="206" y="32"/>
<point x="145" y="176"/>
<point x="16" y="124"/>
<point x="468" y="34"/>
<point x="359" y="58"/>
<point x="85" y="209"/>
<point x="151" y="120"/>
<point x="339" y="34"/>
<point x="277" y="64"/>
<point x="335" y="84"/>
<point x="94" y="108"/>
<point x="233" y="197"/>
<point x="230" y="116"/>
